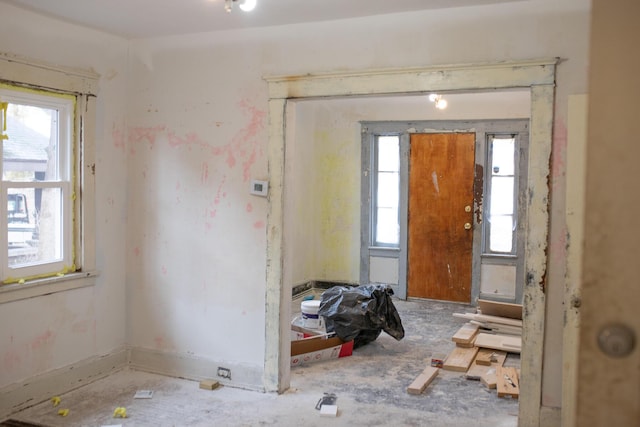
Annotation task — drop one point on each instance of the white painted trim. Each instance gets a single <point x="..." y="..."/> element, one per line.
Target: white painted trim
<point x="414" y="80"/>
<point x="32" y="391"/>
<point x="550" y="417"/>
<point x="535" y="257"/>
<point x="574" y="217"/>
<point x="194" y="368"/>
<point x="46" y="286"/>
<point x="44" y="75"/>
<point x="84" y="84"/>
<point x="538" y="75"/>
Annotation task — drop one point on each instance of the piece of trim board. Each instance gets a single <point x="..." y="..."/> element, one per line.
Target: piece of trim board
<point x="502" y="309"/>
<point x="460" y="359"/>
<point x="487" y="356"/>
<point x="423" y="380"/>
<point x="466" y="334"/>
<point x="478" y="370"/>
<point x="508" y="383"/>
<point x="510" y="344"/>
<point x="489" y="377"/>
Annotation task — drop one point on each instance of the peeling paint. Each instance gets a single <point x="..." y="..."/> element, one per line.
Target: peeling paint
<point x="478" y="192"/>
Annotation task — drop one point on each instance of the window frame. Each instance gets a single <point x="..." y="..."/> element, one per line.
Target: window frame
<point x="82" y="85"/>
<point x="63" y="181"/>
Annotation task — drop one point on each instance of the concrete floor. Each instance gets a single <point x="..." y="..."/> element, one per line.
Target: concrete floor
<point x="370" y="386"/>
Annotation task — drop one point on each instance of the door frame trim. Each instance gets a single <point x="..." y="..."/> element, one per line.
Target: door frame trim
<point x="537" y="75"/>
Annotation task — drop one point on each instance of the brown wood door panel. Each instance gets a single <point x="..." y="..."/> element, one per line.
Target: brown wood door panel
<point x="441" y="176"/>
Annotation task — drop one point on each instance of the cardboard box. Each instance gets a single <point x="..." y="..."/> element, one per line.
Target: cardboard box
<point x="317" y="348"/>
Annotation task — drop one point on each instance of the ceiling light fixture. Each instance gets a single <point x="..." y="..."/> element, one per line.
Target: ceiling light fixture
<point x="244" y="5"/>
<point x="440" y="102"/>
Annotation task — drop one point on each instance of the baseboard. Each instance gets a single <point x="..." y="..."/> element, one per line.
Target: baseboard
<point x="317" y="284"/>
<point x="195" y="368"/>
<point x="40" y="388"/>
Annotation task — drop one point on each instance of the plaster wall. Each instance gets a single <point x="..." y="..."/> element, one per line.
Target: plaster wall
<point x="39" y="335"/>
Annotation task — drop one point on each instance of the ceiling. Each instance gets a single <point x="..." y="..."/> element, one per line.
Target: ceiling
<point x="156" y="18"/>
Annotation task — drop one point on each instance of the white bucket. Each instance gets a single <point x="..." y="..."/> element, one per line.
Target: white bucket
<point x="310" y="316"/>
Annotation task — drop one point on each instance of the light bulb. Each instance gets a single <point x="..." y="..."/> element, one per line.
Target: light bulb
<point x="441" y="104"/>
<point x="433" y="97"/>
<point x="248" y="5"/>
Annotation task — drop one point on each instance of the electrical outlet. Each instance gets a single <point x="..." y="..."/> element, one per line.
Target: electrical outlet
<point x="224" y="372"/>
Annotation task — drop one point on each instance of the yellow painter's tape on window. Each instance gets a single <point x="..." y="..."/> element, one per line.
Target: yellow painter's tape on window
<point x="4" y="106"/>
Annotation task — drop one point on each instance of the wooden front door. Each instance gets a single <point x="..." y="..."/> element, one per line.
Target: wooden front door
<point x="440" y="224"/>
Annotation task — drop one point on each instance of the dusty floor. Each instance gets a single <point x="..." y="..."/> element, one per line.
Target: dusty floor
<point x="370" y="386"/>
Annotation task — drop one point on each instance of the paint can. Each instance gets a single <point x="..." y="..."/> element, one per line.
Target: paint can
<point x="310" y="316"/>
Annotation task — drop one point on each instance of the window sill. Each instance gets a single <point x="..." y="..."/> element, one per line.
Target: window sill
<point x="46" y="286"/>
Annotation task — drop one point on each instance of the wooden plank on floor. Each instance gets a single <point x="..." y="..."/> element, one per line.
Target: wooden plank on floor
<point x="508" y="343"/>
<point x="487" y="356"/>
<point x="423" y="380"/>
<point x="460" y="359"/>
<point x="502" y="309"/>
<point x="466" y="334"/>
<point x="508" y="384"/>
<point x="489" y="377"/>
<point x="477" y="370"/>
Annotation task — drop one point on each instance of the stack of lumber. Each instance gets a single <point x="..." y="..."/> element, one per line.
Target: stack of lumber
<point x="493" y="324"/>
<point x="482" y="345"/>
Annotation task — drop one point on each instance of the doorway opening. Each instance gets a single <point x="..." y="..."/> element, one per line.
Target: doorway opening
<point x="537" y="77"/>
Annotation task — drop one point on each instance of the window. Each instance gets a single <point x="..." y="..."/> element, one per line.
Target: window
<point x="48" y="183"/>
<point x="386" y="191"/>
<point x="36" y="186"/>
<point x="501" y="215"/>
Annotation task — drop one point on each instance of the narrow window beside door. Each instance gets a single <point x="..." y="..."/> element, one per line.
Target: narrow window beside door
<point x="386" y="188"/>
<point x="501" y="218"/>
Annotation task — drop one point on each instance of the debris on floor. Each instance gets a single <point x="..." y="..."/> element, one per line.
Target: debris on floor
<point x="344" y="318"/>
<point x="484" y="343"/>
<point x="423" y="380"/>
<point x="120" y="412"/>
<point x="508" y="384"/>
<point x="360" y="313"/>
<point x="143" y="394"/>
<point x="327" y="405"/>
<point x="209" y="384"/>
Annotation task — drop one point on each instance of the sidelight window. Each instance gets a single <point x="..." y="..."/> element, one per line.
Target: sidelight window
<point x="501" y="215"/>
<point x="386" y="191"/>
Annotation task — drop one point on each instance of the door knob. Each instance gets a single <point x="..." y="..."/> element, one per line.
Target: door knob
<point x="467" y="226"/>
<point x="616" y="340"/>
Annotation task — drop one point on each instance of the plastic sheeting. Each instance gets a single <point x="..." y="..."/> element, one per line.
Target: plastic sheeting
<point x="360" y="313"/>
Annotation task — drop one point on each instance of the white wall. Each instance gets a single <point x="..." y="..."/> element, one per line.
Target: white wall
<point x="196" y="134"/>
<point x="41" y="334"/>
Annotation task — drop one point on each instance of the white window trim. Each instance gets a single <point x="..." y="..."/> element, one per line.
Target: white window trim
<point x="25" y="72"/>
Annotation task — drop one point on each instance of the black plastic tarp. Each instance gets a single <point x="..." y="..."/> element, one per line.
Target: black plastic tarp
<point x="360" y="313"/>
